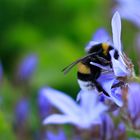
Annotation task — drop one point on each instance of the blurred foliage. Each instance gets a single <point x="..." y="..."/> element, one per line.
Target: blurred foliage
<point x="57" y="32"/>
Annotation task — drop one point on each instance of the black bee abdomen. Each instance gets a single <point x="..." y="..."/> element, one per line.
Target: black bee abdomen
<point x="84" y="77"/>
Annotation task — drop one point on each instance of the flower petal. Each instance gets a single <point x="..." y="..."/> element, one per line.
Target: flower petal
<point x="61" y="101"/>
<point x="133" y="100"/>
<point x="119" y="66"/>
<point x="107" y="80"/>
<point x="91" y="105"/>
<point x="101" y="35"/>
<point x="59" y="119"/>
<point x="129" y="10"/>
<point x="50" y="135"/>
<point x="116" y="31"/>
<point x="99" y="109"/>
<point x="90" y="45"/>
<point x="88" y="99"/>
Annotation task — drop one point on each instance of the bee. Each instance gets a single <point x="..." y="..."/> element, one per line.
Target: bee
<point x="91" y="66"/>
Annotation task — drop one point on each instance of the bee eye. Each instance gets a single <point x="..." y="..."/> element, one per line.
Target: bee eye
<point x="116" y="55"/>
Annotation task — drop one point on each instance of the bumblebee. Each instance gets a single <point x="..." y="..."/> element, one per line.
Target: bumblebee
<point x="90" y="66"/>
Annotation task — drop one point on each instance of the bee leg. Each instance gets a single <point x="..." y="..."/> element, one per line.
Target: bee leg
<point x="100" y="88"/>
<point x="119" y="84"/>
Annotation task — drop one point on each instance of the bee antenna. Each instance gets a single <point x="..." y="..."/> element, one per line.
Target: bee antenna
<point x="69" y="67"/>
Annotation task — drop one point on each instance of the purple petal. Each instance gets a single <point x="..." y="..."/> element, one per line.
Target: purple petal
<point x="60" y="119"/>
<point x="27" y="67"/>
<point x="101" y="35"/>
<point x="22" y="111"/>
<point x="61" y="101"/>
<point x="133" y="100"/>
<point x="91" y="106"/>
<point x="107" y="80"/>
<point x="43" y="104"/>
<point x="89" y="103"/>
<point x="116" y="31"/>
<point x="122" y="127"/>
<point x="59" y="136"/>
<point x="116" y="112"/>
<point x="107" y="127"/>
<point x="129" y="10"/>
<point x="88" y="99"/>
<point x="119" y="66"/>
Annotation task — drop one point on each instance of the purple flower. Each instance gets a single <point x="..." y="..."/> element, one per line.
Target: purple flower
<point x="107" y="80"/>
<point x="134" y="104"/>
<point x="129" y="10"/>
<point x="107" y="127"/>
<point x="89" y="110"/>
<point x="116" y="113"/>
<point x="43" y="104"/>
<point x="120" y="132"/>
<point x="121" y="67"/>
<point x="100" y="36"/>
<point x="122" y="127"/>
<point x="27" y="67"/>
<point x="52" y="136"/>
<point x="21" y="111"/>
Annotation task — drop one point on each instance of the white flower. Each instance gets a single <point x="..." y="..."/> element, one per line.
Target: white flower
<point x="129" y="10"/>
<point x="82" y="115"/>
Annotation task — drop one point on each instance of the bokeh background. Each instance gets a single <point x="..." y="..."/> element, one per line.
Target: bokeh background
<point x="53" y="34"/>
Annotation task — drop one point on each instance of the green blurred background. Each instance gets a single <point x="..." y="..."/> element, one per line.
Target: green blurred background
<point x="57" y="32"/>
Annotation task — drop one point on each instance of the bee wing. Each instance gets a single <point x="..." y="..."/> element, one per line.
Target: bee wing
<point x="69" y="67"/>
<point x="116" y="31"/>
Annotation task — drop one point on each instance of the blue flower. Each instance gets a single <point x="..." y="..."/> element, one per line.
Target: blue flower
<point x="27" y="67"/>
<point x="133" y="99"/>
<point x="107" y="127"/>
<point x="121" y="67"/>
<point x="52" y="136"/>
<point x="107" y="80"/>
<point x="21" y="111"/>
<point x="100" y="36"/>
<point x="134" y="104"/>
<point x="120" y="132"/>
<point x="129" y="10"/>
<point x="89" y="110"/>
<point x="43" y="104"/>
